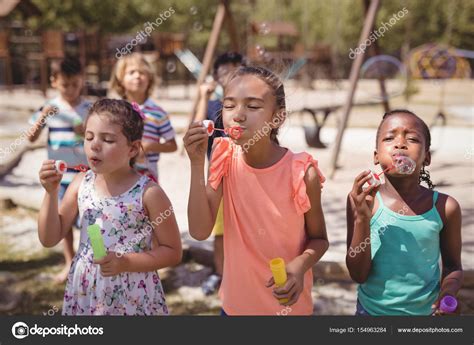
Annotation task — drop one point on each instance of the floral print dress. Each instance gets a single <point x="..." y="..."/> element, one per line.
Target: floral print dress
<point x="125" y="228"/>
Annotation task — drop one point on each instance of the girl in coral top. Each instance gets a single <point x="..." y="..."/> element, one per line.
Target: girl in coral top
<point x="272" y="200"/>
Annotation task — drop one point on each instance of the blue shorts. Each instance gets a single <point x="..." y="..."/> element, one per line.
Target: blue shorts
<point x="61" y="193"/>
<point x="360" y="311"/>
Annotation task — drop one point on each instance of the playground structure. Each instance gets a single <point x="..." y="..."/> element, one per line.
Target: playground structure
<point x="25" y="57"/>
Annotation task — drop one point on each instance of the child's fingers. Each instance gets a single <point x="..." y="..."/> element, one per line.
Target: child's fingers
<point x="351" y="200"/>
<point x="359" y="182"/>
<point x="195" y="124"/>
<point x="270" y="282"/>
<point x="196" y="138"/>
<point x="361" y="176"/>
<point x="357" y="188"/>
<point x="103" y="261"/>
<point x="375" y="190"/>
<point x="286" y="297"/>
<point x="371" y="190"/>
<point x="362" y="182"/>
<point x="196" y="147"/>
<point x="196" y="130"/>
<point x="105" y="272"/>
<point x="46" y="174"/>
<point x="193" y="148"/>
<point x="293" y="299"/>
<point x="49" y="164"/>
<point x="282" y="291"/>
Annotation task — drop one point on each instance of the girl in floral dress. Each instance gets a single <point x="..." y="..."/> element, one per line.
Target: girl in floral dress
<point x="129" y="209"/>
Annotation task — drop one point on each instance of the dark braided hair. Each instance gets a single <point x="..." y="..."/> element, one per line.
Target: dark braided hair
<point x="275" y="85"/>
<point x="424" y="174"/>
<point x="121" y="113"/>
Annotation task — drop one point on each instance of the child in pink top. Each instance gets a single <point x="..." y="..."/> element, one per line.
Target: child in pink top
<point x="272" y="200"/>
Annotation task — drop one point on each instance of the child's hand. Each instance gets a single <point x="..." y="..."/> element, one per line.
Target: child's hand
<point x="363" y="200"/>
<point x="206" y="89"/>
<point x="49" y="177"/>
<point x="437" y="310"/>
<point x="111" y="264"/>
<point x="293" y="287"/>
<point x="79" y="129"/>
<point x="195" y="142"/>
<point x="48" y="110"/>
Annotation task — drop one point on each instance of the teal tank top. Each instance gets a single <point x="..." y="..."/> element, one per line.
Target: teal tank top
<point x="405" y="274"/>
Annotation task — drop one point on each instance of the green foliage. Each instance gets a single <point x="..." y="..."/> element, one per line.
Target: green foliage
<point x="336" y="22"/>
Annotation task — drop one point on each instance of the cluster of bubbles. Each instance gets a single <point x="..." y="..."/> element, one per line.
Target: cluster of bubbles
<point x="193" y="10"/>
<point x="264" y="29"/>
<point x="262" y="53"/>
<point x="197" y="25"/>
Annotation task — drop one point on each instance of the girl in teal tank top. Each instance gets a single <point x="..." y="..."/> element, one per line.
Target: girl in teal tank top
<point x="400" y="231"/>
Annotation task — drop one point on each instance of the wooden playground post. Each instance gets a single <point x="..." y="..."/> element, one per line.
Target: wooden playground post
<point x="374" y="51"/>
<point x="209" y="53"/>
<point x="5" y="55"/>
<point x="223" y="11"/>
<point x="353" y="79"/>
<point x="234" y="37"/>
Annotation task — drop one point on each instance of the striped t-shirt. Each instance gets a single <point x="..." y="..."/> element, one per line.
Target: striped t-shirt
<point x="63" y="143"/>
<point x="157" y="127"/>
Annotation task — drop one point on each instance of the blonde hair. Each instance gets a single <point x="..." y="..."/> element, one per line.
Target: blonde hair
<point x="116" y="81"/>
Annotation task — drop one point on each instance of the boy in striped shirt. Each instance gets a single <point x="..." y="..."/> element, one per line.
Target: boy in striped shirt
<point x="157" y="129"/>
<point x="63" y="116"/>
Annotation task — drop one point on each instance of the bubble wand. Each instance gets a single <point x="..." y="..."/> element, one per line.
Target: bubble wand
<point x="235" y="132"/>
<point x="61" y="167"/>
<point x="403" y="164"/>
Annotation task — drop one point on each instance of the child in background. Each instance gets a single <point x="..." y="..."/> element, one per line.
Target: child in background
<point x="63" y="117"/>
<point x="262" y="222"/>
<point x="405" y="228"/>
<point x="127" y="207"/>
<point x="224" y="66"/>
<point x="133" y="79"/>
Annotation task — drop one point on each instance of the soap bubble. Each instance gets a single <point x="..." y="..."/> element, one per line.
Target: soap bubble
<point x="170" y="66"/>
<point x="404" y="165"/>
<point x="260" y="50"/>
<point x="264" y="29"/>
<point x="193" y="10"/>
<point x="197" y="26"/>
